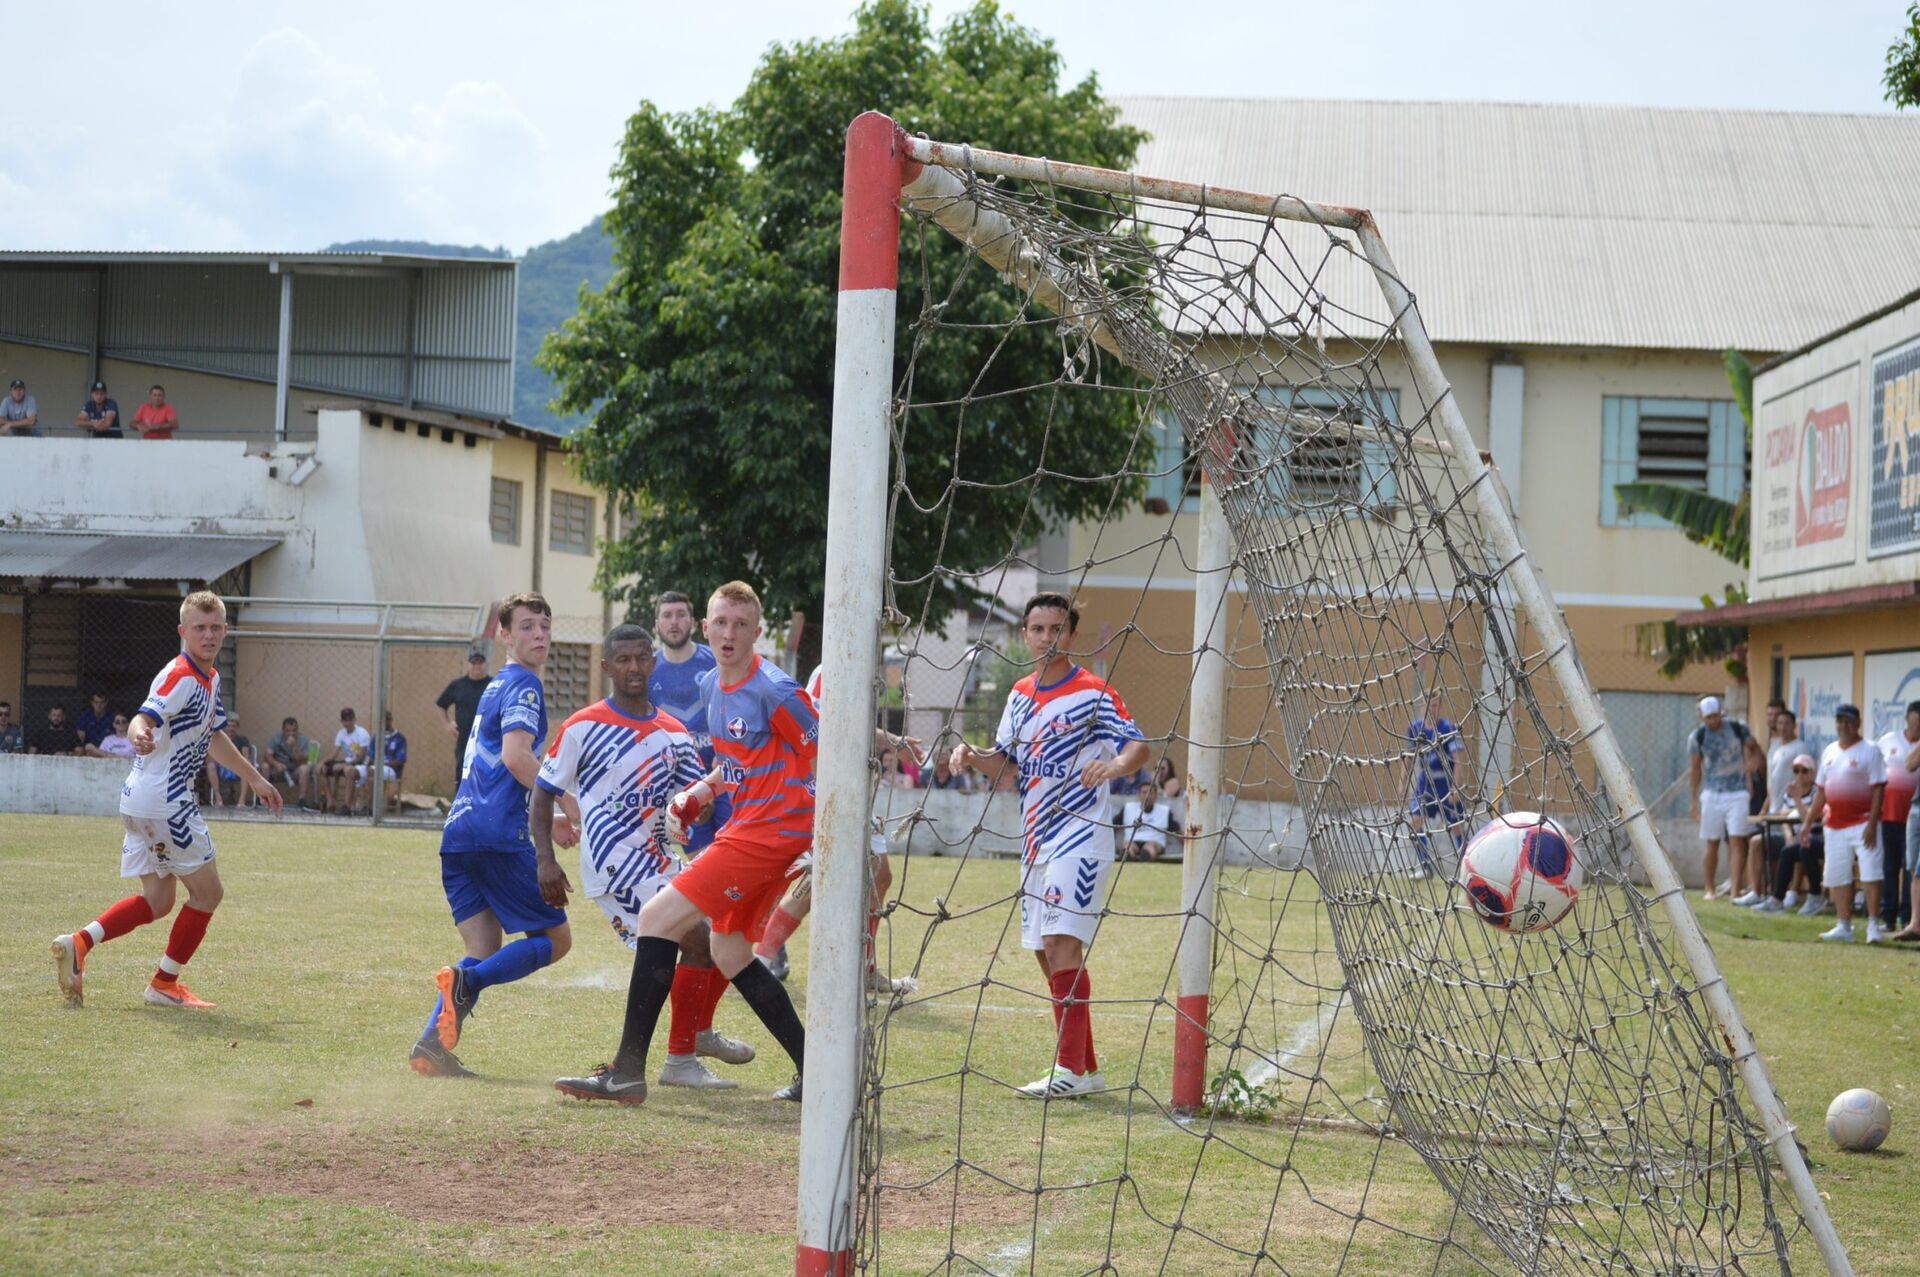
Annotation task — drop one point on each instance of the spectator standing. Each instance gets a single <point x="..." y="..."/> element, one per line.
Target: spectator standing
<point x="289" y="762"/>
<point x="156" y="419"/>
<point x="1895" y="806"/>
<point x="1723" y="754"/>
<point x="94" y="722"/>
<point x="55" y="736"/>
<point x="12" y="739"/>
<point x="100" y="416"/>
<point x="459" y="702"/>
<point x="1145" y="821"/>
<point x="116" y="743"/>
<point x="1849" y="788"/>
<point x="19" y="411"/>
<point x="1784" y="746"/>
<point x="1912" y="761"/>
<point x="346" y="766"/>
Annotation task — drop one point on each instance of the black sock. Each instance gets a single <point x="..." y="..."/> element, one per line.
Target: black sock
<point x="768" y="998"/>
<point x="653" y="963"/>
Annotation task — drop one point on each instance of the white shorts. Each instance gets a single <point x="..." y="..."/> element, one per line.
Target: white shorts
<point x="1063" y="897"/>
<point x="1844" y="846"/>
<point x="623" y="904"/>
<point x="175" y="845"/>
<point x="1724" y="815"/>
<point x="360" y="773"/>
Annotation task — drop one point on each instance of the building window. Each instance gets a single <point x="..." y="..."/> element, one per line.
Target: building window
<point x="1692" y="443"/>
<point x="1321" y="466"/>
<point x="568" y="677"/>
<point x="504" y="511"/>
<point x="572" y="530"/>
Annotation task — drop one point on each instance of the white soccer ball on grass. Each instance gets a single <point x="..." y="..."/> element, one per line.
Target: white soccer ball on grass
<point x="1858" y="1120"/>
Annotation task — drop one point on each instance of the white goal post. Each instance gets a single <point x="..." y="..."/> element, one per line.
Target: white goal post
<point x="886" y="170"/>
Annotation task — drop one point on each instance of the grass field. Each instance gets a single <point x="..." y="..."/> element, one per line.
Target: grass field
<point x="283" y="1132"/>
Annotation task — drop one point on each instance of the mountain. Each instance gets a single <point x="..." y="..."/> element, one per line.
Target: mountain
<point x="550" y="279"/>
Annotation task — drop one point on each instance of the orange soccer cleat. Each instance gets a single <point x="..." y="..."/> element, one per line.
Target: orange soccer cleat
<point x="172" y="993"/>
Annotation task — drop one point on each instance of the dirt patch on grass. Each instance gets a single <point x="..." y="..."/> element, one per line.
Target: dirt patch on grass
<point x="493" y="1180"/>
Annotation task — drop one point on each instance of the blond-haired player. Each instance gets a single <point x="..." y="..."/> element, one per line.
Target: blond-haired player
<point x="173" y="731"/>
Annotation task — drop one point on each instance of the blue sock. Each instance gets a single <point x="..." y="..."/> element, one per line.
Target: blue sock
<point x="515" y="962"/>
<point x="433" y="1021"/>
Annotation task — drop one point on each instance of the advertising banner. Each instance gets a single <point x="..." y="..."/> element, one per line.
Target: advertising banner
<point x="1803" y="483"/>
<point x="1893" y="518"/>
<point x="1893" y="680"/>
<point x="1818" y="685"/>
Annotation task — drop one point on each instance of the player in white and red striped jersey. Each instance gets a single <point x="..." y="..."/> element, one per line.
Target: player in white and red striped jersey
<point x="621" y="759"/>
<point x="166" y="842"/>
<point x="1069" y="733"/>
<point x="1851" y="783"/>
<point x="798" y="902"/>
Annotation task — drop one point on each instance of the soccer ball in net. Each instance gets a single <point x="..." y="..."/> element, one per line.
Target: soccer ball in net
<point x="1521" y="873"/>
<point x="1858" y="1120"/>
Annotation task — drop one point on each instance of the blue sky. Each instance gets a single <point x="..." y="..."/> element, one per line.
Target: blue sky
<point x="218" y="125"/>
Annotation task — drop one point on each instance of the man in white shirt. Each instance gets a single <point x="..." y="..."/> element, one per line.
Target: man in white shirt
<point x="346" y="766"/>
<point x="1145" y="821"/>
<point x="1850" y="786"/>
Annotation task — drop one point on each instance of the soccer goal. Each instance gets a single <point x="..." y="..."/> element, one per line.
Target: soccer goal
<point x="1228" y="439"/>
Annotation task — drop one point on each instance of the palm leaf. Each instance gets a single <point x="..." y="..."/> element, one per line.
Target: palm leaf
<point x="1740" y="377"/>
<point x="1715" y="522"/>
<point x="1677" y="646"/>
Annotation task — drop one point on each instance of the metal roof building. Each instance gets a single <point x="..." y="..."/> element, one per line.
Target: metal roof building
<point x="1586" y="226"/>
<point x="429" y="332"/>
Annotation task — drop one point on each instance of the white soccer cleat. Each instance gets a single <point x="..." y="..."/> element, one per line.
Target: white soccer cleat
<point x="69" y="968"/>
<point x="1749" y="900"/>
<point x="1064" y="1084"/>
<point x="718" y="1046"/>
<point x="687" y="1070"/>
<point x="1842" y="931"/>
<point x="1876" y="933"/>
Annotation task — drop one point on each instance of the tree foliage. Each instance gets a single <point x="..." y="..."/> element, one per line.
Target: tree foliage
<point x="1902" y="78"/>
<point x="707" y="360"/>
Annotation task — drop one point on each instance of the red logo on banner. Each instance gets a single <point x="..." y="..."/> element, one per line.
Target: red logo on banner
<point x="1825" y="483"/>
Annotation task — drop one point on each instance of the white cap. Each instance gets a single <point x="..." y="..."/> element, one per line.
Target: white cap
<point x="1709" y="706"/>
<point x="1804" y="760"/>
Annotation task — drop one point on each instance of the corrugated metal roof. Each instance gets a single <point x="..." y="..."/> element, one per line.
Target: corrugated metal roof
<point x="124" y="556"/>
<point x="90" y="257"/>
<point x="1585" y="225"/>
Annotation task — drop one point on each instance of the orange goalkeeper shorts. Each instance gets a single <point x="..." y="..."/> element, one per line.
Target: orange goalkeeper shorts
<point x="737" y="883"/>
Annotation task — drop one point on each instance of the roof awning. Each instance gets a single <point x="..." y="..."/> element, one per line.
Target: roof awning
<point x="125" y="556"/>
<point x="1825" y="603"/>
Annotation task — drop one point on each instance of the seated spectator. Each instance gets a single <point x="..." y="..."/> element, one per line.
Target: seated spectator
<point x="12" y="739"/>
<point x="56" y="736"/>
<point x="943" y="777"/>
<point x="115" y="743"/>
<point x="93" y="723"/>
<point x="290" y="763"/>
<point x="19" y="411"/>
<point x="1791" y="851"/>
<point x="891" y="776"/>
<point x="1145" y="823"/>
<point x="393" y="760"/>
<point x="220" y="781"/>
<point x="99" y="415"/>
<point x="1168" y="779"/>
<point x="1128" y="784"/>
<point x="156" y="419"/>
<point x="345" y="769"/>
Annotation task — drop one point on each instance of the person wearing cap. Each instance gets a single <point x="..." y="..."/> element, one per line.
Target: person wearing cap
<point x="1795" y="798"/>
<point x="19" y="411"/>
<point x="1848" y="789"/>
<point x="156" y="419"/>
<point x="1898" y="747"/>
<point x="1723" y="754"/>
<point x="99" y="416"/>
<point x="460" y="702"/>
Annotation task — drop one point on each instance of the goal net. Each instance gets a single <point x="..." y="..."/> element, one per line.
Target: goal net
<point x="1305" y="583"/>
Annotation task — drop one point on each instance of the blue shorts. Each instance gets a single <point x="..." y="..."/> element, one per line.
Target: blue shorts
<point x="1433" y="805"/>
<point x="503" y="881"/>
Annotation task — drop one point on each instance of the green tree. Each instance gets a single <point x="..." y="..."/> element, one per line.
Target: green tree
<point x="1720" y="525"/>
<point x="1902" y="78"/>
<point x="707" y="360"/>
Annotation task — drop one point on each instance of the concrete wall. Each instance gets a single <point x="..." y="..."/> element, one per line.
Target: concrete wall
<point x="41" y="785"/>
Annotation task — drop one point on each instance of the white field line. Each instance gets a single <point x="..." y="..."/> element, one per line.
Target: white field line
<point x="1306" y="1035"/>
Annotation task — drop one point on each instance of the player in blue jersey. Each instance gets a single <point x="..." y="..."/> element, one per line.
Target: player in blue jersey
<point x="675" y="688"/>
<point x="488" y="864"/>
<point x="1433" y="784"/>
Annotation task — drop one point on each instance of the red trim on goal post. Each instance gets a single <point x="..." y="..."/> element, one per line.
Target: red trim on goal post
<point x="877" y="167"/>
<point x="811" y="1261"/>
<point x="1190" y="1052"/>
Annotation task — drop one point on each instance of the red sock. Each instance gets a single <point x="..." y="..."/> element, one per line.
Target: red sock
<point x="716" y="989"/>
<point x="189" y="929"/>
<point x="687" y="996"/>
<point x="123" y="917"/>
<point x="1076" y="1019"/>
<point x="780" y="927"/>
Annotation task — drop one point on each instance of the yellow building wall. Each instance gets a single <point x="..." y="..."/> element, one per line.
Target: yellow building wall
<point x="1874" y="630"/>
<point x="12" y="644"/>
<point x="513" y="564"/>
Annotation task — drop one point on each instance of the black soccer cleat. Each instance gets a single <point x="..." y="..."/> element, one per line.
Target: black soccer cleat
<point x="430" y="1059"/>
<point x="607" y="1082"/>
<point x="791" y="1091"/>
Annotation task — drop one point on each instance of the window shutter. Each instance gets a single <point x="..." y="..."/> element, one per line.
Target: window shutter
<point x="1380" y="486"/>
<point x="1619" y="454"/>
<point x="1726" y="451"/>
<point x="1169" y="478"/>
